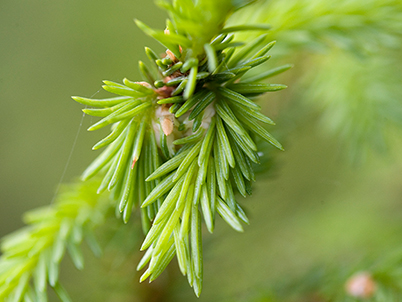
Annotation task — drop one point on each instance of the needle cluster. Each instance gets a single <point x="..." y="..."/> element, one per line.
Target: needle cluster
<point x="183" y="141"/>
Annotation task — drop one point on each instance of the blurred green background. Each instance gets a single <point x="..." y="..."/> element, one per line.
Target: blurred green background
<point x="314" y="209"/>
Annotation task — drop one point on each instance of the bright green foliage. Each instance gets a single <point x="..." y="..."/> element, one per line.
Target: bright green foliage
<point x="183" y="143"/>
<point x="195" y="23"/>
<point x="367" y="110"/>
<point x="317" y="24"/>
<point x="31" y="256"/>
<point x="352" y="76"/>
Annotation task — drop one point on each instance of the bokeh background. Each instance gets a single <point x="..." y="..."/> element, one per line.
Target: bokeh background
<point x="314" y="208"/>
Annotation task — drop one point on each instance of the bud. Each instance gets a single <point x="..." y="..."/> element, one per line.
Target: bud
<point x="171" y="55"/>
<point x="145" y="84"/>
<point x="167" y="125"/>
<point x="361" y="285"/>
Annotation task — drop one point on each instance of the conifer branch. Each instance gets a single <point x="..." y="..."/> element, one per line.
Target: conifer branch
<point x="319" y="24"/>
<point x="184" y="143"/>
<point x="365" y="111"/>
<point x="31" y="256"/>
<point x="352" y="46"/>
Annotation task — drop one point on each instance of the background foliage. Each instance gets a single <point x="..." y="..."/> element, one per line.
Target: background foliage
<point x="316" y="211"/>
